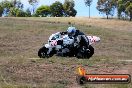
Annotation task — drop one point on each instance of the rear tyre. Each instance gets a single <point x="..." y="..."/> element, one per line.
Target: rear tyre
<point x="90" y="54"/>
<point x="84" y="52"/>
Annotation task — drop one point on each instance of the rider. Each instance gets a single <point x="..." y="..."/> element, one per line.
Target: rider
<point x="74" y="33"/>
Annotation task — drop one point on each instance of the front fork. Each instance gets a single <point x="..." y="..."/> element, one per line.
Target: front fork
<point x="49" y="51"/>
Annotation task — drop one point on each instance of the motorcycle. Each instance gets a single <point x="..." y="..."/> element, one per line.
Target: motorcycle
<point x="63" y="45"/>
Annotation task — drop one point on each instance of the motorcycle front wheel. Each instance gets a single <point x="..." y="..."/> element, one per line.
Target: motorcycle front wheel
<point x="42" y="53"/>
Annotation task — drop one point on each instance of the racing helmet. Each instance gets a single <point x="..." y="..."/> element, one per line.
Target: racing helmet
<point x="71" y="31"/>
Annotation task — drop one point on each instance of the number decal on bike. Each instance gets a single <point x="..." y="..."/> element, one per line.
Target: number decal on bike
<point x="53" y="43"/>
<point x="92" y="39"/>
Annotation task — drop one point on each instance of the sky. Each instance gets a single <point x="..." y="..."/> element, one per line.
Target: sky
<point x="80" y="6"/>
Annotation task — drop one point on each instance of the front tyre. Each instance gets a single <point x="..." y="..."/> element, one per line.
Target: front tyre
<point x="42" y="53"/>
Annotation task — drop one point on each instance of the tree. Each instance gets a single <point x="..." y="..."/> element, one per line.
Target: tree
<point x="129" y="9"/>
<point x="20" y="13"/>
<point x="1" y="10"/>
<point x="125" y="7"/>
<point x="13" y="12"/>
<point x="17" y="4"/>
<point x="69" y="8"/>
<point x="9" y="7"/>
<point x="57" y="9"/>
<point x="43" y="11"/>
<point x="28" y="13"/>
<point x="121" y="7"/>
<point x="106" y="6"/>
<point x="34" y="3"/>
<point x="6" y="6"/>
<point x="88" y="3"/>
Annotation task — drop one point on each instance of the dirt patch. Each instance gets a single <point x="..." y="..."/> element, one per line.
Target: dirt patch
<point x="36" y="72"/>
<point x="39" y="73"/>
<point x="110" y="69"/>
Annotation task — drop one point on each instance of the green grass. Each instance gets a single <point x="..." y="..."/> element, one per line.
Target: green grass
<point x="21" y="38"/>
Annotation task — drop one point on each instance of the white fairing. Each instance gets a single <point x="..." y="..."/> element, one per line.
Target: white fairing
<point x="52" y="42"/>
<point x="93" y="39"/>
<point x="55" y="36"/>
<point x="47" y="46"/>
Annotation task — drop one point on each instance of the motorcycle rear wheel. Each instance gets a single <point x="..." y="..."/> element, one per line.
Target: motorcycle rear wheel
<point x="85" y="52"/>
